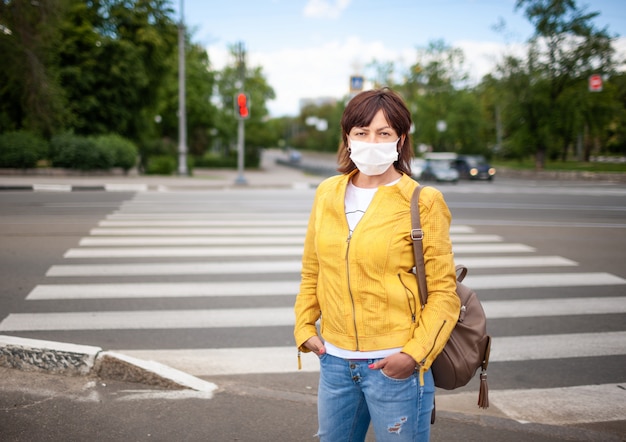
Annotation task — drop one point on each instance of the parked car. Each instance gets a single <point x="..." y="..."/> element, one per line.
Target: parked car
<point x="474" y="167"/>
<point x="440" y="170"/>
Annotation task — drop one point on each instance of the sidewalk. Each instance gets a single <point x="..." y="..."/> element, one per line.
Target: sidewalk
<point x="48" y="407"/>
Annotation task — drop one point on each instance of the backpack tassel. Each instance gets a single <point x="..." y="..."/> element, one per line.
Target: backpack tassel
<point x="483" y="395"/>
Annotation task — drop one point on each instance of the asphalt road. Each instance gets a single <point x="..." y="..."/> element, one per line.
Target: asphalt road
<point x="546" y="259"/>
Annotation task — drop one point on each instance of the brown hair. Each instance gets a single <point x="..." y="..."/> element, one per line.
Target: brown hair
<point x="360" y="112"/>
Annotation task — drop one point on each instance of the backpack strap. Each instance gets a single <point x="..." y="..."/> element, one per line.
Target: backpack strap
<point x="417" y="234"/>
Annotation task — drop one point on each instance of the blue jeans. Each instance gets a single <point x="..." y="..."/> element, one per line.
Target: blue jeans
<point x="351" y="395"/>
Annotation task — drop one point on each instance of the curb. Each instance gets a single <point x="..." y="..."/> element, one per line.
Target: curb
<point x="74" y="188"/>
<point x="156" y="187"/>
<point x="83" y="360"/>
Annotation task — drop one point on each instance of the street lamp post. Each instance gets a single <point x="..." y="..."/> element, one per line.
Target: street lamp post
<point x="182" y="117"/>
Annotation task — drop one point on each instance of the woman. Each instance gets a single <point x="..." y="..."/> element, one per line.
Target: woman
<point x="377" y="343"/>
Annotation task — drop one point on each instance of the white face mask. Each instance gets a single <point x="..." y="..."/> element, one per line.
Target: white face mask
<point x="373" y="158"/>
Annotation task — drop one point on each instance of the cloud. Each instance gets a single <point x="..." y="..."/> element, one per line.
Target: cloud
<point x="318" y="71"/>
<point x="324" y="70"/>
<point x="325" y="8"/>
<point x="482" y="56"/>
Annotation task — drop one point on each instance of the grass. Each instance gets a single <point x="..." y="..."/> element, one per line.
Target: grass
<point x="529" y="164"/>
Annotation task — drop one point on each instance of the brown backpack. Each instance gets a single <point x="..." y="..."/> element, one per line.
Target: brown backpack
<point x="469" y="344"/>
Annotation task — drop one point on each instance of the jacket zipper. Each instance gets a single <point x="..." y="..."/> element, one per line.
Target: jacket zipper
<point x="423" y="361"/>
<point x="409" y="297"/>
<point x="356" y="333"/>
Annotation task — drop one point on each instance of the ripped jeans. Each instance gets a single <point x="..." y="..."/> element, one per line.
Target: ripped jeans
<point x="350" y="395"/>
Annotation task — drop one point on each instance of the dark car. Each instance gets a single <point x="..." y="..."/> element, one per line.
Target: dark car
<point x="473" y="167"/>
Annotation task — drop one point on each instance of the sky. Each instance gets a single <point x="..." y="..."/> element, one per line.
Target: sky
<point x="308" y="49"/>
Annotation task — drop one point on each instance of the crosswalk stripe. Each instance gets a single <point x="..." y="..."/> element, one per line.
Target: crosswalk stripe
<point x="163" y="290"/>
<point x="528" y="348"/>
<point x="148" y="319"/>
<point x="221" y="229"/>
<point x="218" y="361"/>
<point x="554" y="307"/>
<point x="294" y="266"/>
<point x="458" y="239"/>
<point x="515" y="262"/>
<point x="151" y="252"/>
<point x="187" y="268"/>
<point x="231" y="361"/>
<point x="280" y="316"/>
<point x="202" y="223"/>
<point x="491" y="248"/>
<point x="221" y="217"/>
<point x="494" y="309"/>
<point x="256" y="231"/>
<point x="193" y="268"/>
<point x="232" y="240"/>
<point x="147" y="252"/>
<point x="528" y="280"/>
<point x="166" y="221"/>
<point x="190" y="240"/>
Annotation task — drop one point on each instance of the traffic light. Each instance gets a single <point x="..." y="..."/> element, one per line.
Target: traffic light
<point x="242" y="106"/>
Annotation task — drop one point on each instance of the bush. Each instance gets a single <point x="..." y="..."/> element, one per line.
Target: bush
<point x="77" y="152"/>
<point x="154" y="148"/>
<point x="161" y="165"/>
<point x="212" y="160"/>
<point x="21" y="149"/>
<point x="123" y="150"/>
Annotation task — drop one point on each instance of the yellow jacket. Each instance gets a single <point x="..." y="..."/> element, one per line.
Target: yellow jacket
<point x="362" y="288"/>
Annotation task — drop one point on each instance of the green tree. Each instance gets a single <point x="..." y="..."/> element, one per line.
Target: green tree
<point x="318" y="127"/>
<point x="113" y="61"/>
<point x="525" y="112"/>
<point x="615" y="142"/>
<point x="230" y="80"/>
<point x="565" y="48"/>
<point x="30" y="97"/>
<point x="446" y="112"/>
<point x="201" y="113"/>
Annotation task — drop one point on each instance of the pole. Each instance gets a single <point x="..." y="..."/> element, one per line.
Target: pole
<point x="241" y="58"/>
<point x="182" y="117"/>
<point x="240" y="153"/>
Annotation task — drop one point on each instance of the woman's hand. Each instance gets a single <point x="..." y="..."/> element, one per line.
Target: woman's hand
<point x="315" y="344"/>
<point x="397" y="366"/>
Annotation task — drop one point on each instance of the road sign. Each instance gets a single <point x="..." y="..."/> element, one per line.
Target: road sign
<point x="356" y="83"/>
<point x="595" y="83"/>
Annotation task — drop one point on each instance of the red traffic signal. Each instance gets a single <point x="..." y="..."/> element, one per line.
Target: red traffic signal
<point x="242" y="106"/>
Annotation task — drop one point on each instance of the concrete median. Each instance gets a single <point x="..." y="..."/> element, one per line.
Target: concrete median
<point x="67" y="359"/>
